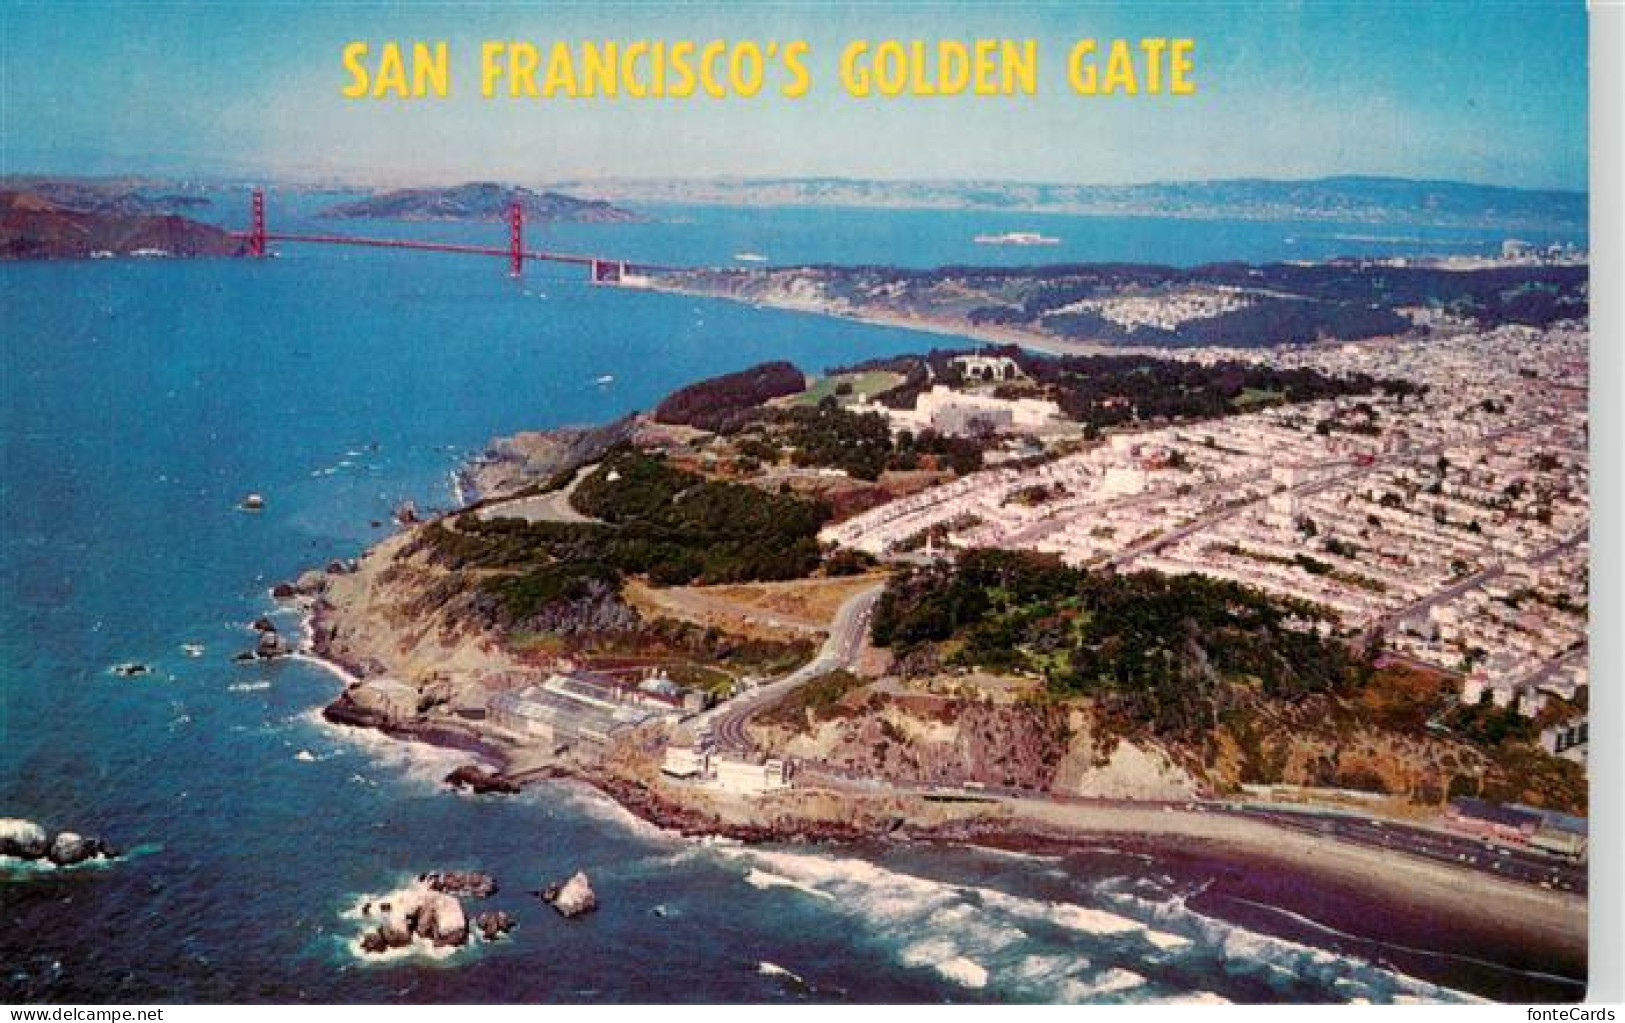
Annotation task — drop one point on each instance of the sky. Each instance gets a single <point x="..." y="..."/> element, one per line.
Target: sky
<point x="1489" y="92"/>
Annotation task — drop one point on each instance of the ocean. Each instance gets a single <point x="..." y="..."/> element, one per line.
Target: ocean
<point x="144" y="398"/>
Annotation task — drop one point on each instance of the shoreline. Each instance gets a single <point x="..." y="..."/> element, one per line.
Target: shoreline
<point x="1288" y="884"/>
<point x="1044" y="343"/>
<point x="1515" y="941"/>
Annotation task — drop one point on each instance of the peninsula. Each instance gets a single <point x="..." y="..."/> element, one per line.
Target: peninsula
<point x="76" y="222"/>
<point x="1019" y="600"/>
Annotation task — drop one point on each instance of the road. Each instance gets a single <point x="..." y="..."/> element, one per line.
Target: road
<point x="727" y="721"/>
<point x="1451" y="592"/>
<point x="1432" y="843"/>
<point x="552" y="506"/>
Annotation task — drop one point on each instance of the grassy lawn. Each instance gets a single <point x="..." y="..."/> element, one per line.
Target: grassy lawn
<point x="869" y="384"/>
<point x="1254" y="396"/>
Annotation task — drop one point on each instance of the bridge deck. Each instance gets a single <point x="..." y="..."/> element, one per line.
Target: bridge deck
<point x="572" y="258"/>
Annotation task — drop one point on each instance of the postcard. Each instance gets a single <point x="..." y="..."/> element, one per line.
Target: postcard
<point x="803" y="503"/>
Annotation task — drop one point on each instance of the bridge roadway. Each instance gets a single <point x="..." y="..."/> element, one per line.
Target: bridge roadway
<point x="572" y="258"/>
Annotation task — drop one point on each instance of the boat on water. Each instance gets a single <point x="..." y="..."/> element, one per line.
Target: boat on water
<point x="1017" y="238"/>
<point x="605" y="380"/>
<point x="750" y="257"/>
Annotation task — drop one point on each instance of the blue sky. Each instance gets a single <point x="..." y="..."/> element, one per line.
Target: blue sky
<point x="1491" y="92"/>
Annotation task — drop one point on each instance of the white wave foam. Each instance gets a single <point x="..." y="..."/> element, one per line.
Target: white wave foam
<point x="964" y="971"/>
<point x="763" y="879"/>
<point x="1111" y="982"/>
<point x="768" y="969"/>
<point x="420" y="949"/>
<point x="1349" y="976"/>
<point x="1048" y="967"/>
<point x="1189" y="998"/>
<point x="944" y="956"/>
<point x="1165" y="941"/>
<point x="968" y="935"/>
<point x="593" y="803"/>
<point x="417" y="763"/>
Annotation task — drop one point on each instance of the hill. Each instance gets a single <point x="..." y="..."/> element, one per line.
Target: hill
<point x="479" y="201"/>
<point x="33" y="226"/>
<point x="1346" y="199"/>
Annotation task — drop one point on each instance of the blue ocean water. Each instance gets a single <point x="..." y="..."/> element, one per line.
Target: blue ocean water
<point x="143" y="399"/>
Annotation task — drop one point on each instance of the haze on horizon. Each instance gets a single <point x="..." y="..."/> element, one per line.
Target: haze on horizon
<point x="1491" y="94"/>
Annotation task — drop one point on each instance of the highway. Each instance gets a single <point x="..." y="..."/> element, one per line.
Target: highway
<point x="1462" y="851"/>
<point x="727" y="721"/>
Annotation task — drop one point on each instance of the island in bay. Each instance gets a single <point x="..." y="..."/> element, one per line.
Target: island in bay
<point x="1316" y="602"/>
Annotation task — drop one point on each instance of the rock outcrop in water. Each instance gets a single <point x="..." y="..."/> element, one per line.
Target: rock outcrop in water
<point x="26" y="840"/>
<point x="572" y="898"/>
<point x="493" y="925"/>
<point x="22" y="839"/>
<point x="480" y="781"/>
<point x="419" y="912"/>
<point x="471" y="884"/>
<point x="441" y="920"/>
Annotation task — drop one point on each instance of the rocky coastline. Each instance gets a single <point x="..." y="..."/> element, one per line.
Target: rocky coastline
<point x="28" y="842"/>
<point x="1343" y="887"/>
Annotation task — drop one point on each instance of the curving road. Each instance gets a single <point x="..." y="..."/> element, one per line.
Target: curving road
<point x="727" y="721"/>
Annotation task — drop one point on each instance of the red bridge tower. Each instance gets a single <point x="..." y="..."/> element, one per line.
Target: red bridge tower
<point x="256" y="231"/>
<point x="516" y="238"/>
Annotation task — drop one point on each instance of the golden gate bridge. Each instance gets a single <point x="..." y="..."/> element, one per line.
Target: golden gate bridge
<point x="600" y="270"/>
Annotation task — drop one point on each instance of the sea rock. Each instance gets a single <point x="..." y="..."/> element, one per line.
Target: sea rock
<point x="263" y="625"/>
<point x="407" y="513"/>
<point x="493" y="925"/>
<point x="70" y="847"/>
<point x="374" y="941"/>
<point x="311" y="582"/>
<point x="271" y="644"/>
<point x="22" y="838"/>
<point x="480" y="781"/>
<point x="400" y="918"/>
<point x="284" y="591"/>
<point x="463" y="883"/>
<point x="441" y="920"/>
<point x="572" y="898"/>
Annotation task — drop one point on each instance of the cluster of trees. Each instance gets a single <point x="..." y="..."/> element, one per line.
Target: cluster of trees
<point x="859" y="443"/>
<point x="722" y="403"/>
<point x="1101" y="391"/>
<point x="1166" y="652"/>
<point x="1263" y="321"/>
<point x="1109" y="390"/>
<point x="673" y="526"/>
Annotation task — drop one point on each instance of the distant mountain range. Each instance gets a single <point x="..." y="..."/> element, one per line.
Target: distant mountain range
<point x="480" y="201"/>
<point x="122" y="196"/>
<point x="1345" y="199"/>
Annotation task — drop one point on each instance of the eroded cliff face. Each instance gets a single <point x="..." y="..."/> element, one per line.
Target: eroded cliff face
<point x="400" y="615"/>
<point x="926" y="740"/>
<point x="1068" y="748"/>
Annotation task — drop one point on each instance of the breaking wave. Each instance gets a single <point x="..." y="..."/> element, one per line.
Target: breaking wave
<point x="1111" y="943"/>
